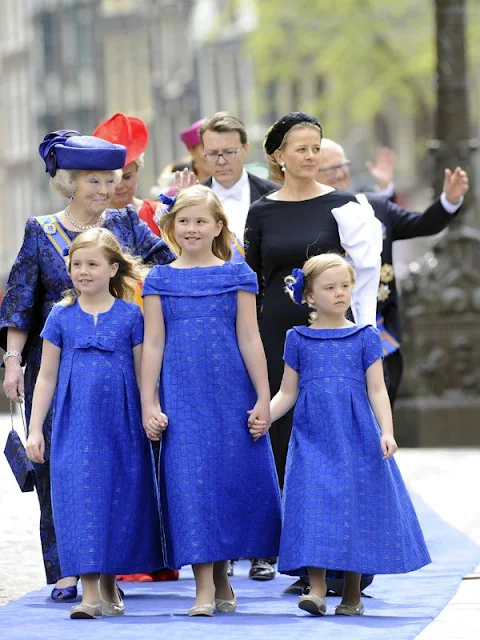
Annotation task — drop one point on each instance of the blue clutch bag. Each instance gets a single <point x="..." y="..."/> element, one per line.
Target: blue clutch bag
<point x="16" y="455"/>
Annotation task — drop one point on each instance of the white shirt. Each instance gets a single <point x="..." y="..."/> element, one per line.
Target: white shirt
<point x="236" y="203"/>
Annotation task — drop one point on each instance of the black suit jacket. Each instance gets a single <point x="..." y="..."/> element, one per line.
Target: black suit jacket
<point x="258" y="186"/>
<point x="400" y="224"/>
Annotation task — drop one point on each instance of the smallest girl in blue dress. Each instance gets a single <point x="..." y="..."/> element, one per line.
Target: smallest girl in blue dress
<point x="346" y="507"/>
<point x="103" y="484"/>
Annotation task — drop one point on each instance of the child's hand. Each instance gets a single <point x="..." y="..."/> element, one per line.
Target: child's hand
<point x="259" y="420"/>
<point x="154" y="422"/>
<point x="389" y="446"/>
<point x="35" y="448"/>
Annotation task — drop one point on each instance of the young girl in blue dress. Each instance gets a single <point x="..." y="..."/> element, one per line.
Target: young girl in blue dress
<point x="218" y="486"/>
<point x="103" y="484"/>
<point x="346" y="507"/>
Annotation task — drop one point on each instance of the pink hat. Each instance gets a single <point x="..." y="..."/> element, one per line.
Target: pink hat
<point x="191" y="136"/>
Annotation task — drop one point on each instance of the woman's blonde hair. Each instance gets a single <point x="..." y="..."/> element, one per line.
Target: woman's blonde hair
<point x="312" y="268"/>
<point x="131" y="270"/>
<point x="198" y="196"/>
<point x="65" y="180"/>
<point x="275" y="168"/>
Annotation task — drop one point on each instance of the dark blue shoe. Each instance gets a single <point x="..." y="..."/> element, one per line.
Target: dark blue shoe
<point x="67" y="594"/>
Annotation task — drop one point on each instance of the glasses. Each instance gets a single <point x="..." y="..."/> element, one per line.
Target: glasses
<point x="227" y="155"/>
<point x="331" y="171"/>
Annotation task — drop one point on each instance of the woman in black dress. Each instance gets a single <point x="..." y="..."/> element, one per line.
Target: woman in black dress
<point x="304" y="218"/>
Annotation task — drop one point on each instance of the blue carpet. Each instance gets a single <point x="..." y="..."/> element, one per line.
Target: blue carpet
<point x="399" y="607"/>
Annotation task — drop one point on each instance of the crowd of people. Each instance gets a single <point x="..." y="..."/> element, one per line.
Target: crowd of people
<point x="263" y="368"/>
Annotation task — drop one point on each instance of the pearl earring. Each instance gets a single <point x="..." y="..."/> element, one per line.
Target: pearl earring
<point x="282" y="166"/>
<point x="72" y="198"/>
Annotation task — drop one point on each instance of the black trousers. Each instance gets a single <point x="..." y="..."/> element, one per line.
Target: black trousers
<point x="393" y="370"/>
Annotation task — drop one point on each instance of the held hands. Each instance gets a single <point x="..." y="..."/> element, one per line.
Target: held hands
<point x="35" y="448"/>
<point x="388" y="446"/>
<point x="455" y="184"/>
<point x="259" y="421"/>
<point x="154" y="422"/>
<point x="184" y="179"/>
<point x="382" y="169"/>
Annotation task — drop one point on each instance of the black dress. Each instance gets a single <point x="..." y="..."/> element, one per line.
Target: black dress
<point x="279" y="236"/>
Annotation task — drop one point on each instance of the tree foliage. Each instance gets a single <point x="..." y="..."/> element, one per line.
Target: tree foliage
<point x="369" y="53"/>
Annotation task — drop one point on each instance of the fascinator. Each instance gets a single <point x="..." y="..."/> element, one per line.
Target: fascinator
<point x="129" y="131"/>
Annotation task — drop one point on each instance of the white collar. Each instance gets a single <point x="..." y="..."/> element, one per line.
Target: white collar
<point x="234" y="191"/>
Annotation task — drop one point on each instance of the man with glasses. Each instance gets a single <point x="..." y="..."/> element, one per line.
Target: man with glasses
<point x="397" y="224"/>
<point x="225" y="146"/>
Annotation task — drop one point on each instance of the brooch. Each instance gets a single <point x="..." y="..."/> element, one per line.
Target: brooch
<point x="50" y="228"/>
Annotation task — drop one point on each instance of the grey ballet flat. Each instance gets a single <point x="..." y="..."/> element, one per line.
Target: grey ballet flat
<point x="350" y="610"/>
<point x="313" y="604"/>
<point x="227" y="606"/>
<point x="202" y="610"/>
<point x="86" y="611"/>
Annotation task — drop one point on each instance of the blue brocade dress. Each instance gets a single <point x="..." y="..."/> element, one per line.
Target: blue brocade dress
<point x="345" y="508"/>
<point x="104" y="495"/>
<point x="219" y="490"/>
<point x="37" y="280"/>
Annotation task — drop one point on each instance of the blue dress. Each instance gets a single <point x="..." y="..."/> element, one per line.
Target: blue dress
<point x="219" y="491"/>
<point x="104" y="494"/>
<point x="345" y="508"/>
<point x="37" y="280"/>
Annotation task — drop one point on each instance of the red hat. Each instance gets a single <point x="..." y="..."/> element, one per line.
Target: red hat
<point x="129" y="131"/>
<point x="191" y="136"/>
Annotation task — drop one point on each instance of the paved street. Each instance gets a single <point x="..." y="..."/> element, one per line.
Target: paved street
<point x="446" y="480"/>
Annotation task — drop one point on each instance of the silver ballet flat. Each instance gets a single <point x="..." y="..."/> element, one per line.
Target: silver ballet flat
<point x="350" y="610"/>
<point x="113" y="608"/>
<point x="202" y="610"/>
<point x="86" y="611"/>
<point x="226" y="606"/>
<point x="313" y="604"/>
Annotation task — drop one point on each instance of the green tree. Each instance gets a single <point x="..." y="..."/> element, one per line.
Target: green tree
<point x="368" y="53"/>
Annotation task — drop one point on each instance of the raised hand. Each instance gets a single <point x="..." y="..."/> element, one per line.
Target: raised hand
<point x="383" y="168"/>
<point x="455" y="184"/>
<point x="184" y="179"/>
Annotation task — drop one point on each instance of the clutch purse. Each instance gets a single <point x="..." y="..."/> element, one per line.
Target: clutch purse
<point x="16" y="455"/>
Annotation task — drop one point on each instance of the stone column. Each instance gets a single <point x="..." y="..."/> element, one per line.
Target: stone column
<point x="440" y="403"/>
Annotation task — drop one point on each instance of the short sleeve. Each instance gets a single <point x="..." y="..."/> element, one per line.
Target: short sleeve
<point x="52" y="331"/>
<point x="290" y="352"/>
<point x="137" y="328"/>
<point x="372" y="349"/>
<point x="152" y="285"/>
<point x="247" y="278"/>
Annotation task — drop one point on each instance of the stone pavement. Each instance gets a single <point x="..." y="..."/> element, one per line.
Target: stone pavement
<point x="446" y="480"/>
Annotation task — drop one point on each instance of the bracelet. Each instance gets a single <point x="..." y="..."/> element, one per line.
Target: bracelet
<point x="10" y="353"/>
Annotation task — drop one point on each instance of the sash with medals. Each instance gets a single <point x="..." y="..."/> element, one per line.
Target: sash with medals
<point x="389" y="343"/>
<point x="56" y="234"/>
<point x="238" y="252"/>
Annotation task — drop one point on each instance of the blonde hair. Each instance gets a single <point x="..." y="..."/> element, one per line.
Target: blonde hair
<point x="65" y="180"/>
<point x="275" y="169"/>
<point x="198" y="196"/>
<point x="312" y="268"/>
<point x="131" y="270"/>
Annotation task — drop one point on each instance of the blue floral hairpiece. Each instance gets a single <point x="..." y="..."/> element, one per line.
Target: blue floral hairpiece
<point x="297" y="287"/>
<point x="168" y="201"/>
<point x="66" y="252"/>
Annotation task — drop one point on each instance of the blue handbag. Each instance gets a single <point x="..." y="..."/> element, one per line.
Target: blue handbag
<point x="16" y="455"/>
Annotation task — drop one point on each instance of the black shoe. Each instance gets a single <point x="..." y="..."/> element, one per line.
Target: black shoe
<point x="300" y="587"/>
<point x="262" y="569"/>
<point x="230" y="566"/>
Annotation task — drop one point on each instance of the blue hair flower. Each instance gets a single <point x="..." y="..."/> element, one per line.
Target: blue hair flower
<point x="66" y="252"/>
<point x="168" y="201"/>
<point x="297" y="287"/>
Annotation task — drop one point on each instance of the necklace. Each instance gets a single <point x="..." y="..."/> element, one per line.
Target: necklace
<point x="83" y="227"/>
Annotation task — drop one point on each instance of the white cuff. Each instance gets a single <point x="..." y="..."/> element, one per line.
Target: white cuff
<point x="361" y="237"/>
<point x="448" y="206"/>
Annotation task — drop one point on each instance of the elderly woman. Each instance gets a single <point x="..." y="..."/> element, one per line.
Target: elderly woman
<point x="85" y="170"/>
<point x="132" y="133"/>
<point x="303" y="218"/>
